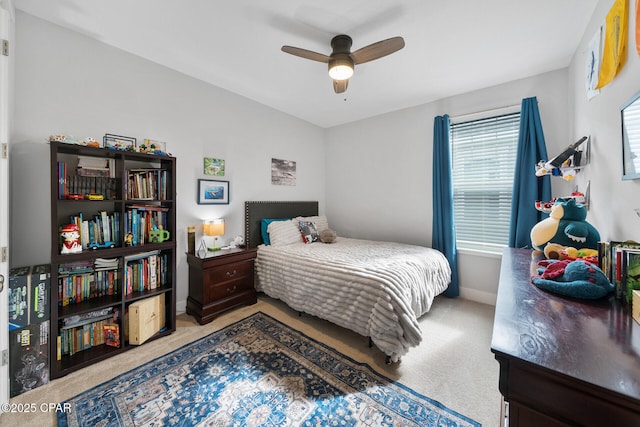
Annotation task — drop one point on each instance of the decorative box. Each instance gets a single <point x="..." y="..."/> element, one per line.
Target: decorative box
<point x="146" y="318"/>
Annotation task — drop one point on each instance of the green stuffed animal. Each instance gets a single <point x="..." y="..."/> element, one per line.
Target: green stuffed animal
<point x="566" y="226"/>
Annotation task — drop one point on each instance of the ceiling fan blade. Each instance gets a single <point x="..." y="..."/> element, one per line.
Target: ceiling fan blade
<point x="377" y="50"/>
<point x="307" y="54"/>
<point x="340" y="85"/>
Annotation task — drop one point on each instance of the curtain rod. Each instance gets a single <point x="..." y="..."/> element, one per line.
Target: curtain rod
<point x="485" y="113"/>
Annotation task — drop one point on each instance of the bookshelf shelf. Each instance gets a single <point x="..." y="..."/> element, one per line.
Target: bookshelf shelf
<point x="142" y="259"/>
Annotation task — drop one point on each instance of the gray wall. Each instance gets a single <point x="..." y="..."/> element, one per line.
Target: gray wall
<point x="67" y="83"/>
<point x="613" y="200"/>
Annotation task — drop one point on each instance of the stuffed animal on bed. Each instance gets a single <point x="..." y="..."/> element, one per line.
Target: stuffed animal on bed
<point x="566" y="226"/>
<point x="578" y="279"/>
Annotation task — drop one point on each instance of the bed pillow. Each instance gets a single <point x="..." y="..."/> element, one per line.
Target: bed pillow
<point x="283" y="232"/>
<point x="263" y="228"/>
<point x="319" y="221"/>
<point x="308" y="231"/>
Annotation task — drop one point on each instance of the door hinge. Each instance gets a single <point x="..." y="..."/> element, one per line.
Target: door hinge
<point x="5" y="357"/>
<point x="4" y="254"/>
<point x="5" y="150"/>
<point x="5" y="47"/>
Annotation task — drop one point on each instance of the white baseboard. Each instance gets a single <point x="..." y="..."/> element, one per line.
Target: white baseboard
<point x="478" y="296"/>
<point x="181" y="307"/>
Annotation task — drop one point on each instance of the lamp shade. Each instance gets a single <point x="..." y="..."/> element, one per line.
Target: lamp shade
<point x="213" y="227"/>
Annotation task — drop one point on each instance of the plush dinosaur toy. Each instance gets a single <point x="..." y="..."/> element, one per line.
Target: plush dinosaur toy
<point x="566" y="226"/>
<point x="578" y="279"/>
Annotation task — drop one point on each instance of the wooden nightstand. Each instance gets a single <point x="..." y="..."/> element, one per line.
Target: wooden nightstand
<point x="220" y="281"/>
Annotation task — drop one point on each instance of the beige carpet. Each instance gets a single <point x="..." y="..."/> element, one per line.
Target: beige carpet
<point x="453" y="364"/>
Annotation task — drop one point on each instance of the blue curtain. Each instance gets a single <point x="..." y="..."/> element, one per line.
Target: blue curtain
<point x="527" y="187"/>
<point x="444" y="230"/>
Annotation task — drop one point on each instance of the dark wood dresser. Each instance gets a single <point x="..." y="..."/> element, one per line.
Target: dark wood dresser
<point x="220" y="281"/>
<point x="563" y="361"/>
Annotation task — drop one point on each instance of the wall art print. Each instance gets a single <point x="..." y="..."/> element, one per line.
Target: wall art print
<point x="213" y="192"/>
<point x="213" y="166"/>
<point x="283" y="172"/>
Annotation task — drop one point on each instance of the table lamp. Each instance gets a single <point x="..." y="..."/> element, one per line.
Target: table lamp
<point x="214" y="228"/>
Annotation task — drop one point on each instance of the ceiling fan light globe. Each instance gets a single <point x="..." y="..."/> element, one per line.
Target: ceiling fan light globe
<point x="341" y="72"/>
<point x="341" y="67"/>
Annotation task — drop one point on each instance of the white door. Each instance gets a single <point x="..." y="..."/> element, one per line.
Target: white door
<point x="6" y="31"/>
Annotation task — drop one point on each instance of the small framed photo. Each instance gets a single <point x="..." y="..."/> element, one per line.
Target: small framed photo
<point x="213" y="192"/>
<point x="119" y="142"/>
<point x="213" y="166"/>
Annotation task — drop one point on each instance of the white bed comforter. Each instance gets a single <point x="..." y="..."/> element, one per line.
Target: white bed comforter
<point x="377" y="289"/>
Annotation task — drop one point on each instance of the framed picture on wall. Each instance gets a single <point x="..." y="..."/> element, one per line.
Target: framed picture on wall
<point x="213" y="192"/>
<point x="213" y="166"/>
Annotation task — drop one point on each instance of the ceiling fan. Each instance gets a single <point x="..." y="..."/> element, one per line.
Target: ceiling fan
<point x="342" y="61"/>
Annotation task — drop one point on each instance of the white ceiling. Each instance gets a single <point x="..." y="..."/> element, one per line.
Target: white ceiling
<point x="452" y="46"/>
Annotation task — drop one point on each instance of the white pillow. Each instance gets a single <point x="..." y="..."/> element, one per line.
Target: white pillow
<point x="284" y="232"/>
<point x="320" y="221"/>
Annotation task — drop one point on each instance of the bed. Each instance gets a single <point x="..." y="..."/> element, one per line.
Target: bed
<point x="377" y="289"/>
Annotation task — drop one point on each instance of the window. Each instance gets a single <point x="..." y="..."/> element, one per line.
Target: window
<point x="483" y="164"/>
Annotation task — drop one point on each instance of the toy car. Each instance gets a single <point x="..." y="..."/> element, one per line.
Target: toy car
<point x="107" y="244"/>
<point x="74" y="197"/>
<point x="94" y="197"/>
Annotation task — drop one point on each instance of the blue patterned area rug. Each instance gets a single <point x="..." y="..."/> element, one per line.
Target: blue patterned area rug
<point x="256" y="372"/>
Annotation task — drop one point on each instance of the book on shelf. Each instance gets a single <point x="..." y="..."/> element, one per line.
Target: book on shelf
<point x="141" y="219"/>
<point x="84" y="318"/>
<point x="86" y="181"/>
<point x="147" y="184"/>
<point x="95" y="166"/>
<point x="145" y="271"/>
<point x="620" y="261"/>
<point x="106" y="264"/>
<point x="101" y="228"/>
<point x="630" y="274"/>
<point x="83" y="280"/>
<point x="75" y="339"/>
<point x="111" y="334"/>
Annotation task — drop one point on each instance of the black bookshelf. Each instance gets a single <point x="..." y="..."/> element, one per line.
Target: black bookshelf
<point x="114" y="188"/>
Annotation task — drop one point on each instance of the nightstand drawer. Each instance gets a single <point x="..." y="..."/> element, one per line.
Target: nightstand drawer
<point x="216" y="291"/>
<point x="230" y="272"/>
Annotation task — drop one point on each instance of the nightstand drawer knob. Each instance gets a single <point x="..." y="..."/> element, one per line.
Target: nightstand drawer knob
<point x="231" y="273"/>
<point x="231" y="290"/>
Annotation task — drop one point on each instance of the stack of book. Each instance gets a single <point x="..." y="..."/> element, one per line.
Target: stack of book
<point x="83" y="280"/>
<point x="87" y="330"/>
<point x="620" y="261"/>
<point x="140" y="219"/>
<point x="101" y="228"/>
<point x="145" y="271"/>
<point x="92" y="176"/>
<point x="96" y="166"/>
<point x="147" y="184"/>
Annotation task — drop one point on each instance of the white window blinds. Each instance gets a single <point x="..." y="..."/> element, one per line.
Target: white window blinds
<point x="483" y="163"/>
